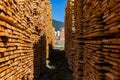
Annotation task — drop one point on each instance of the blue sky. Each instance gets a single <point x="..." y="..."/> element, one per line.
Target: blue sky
<point x="58" y="9"/>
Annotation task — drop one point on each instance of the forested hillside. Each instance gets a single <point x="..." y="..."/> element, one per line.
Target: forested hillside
<point x="57" y="24"/>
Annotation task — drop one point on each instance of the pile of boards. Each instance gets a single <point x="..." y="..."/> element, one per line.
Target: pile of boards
<point x="96" y="39"/>
<point x="25" y="26"/>
<point x="69" y="34"/>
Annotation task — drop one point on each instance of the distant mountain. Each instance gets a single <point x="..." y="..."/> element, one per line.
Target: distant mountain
<point x="57" y="24"/>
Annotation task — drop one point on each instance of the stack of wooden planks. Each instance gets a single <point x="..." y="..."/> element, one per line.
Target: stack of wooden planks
<point x="79" y="40"/>
<point x="97" y="39"/>
<point x="93" y="30"/>
<point x="69" y="34"/>
<point x="111" y="46"/>
<point x="22" y="28"/>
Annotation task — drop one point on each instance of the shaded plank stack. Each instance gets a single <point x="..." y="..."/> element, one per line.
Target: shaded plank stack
<point x="93" y="32"/>
<point x="69" y="34"/>
<point x="79" y="40"/>
<point x="97" y="39"/>
<point x="111" y="46"/>
<point x="25" y="27"/>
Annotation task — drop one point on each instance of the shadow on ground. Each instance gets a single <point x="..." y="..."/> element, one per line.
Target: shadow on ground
<point x="60" y="70"/>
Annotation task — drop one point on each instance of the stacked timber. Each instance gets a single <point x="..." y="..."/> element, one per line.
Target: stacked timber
<point x="111" y="16"/>
<point x="94" y="60"/>
<point x="111" y="46"/>
<point x="79" y="40"/>
<point x="22" y="36"/>
<point x="69" y="33"/>
<point x="93" y="30"/>
<point x="97" y="39"/>
<point x="93" y="26"/>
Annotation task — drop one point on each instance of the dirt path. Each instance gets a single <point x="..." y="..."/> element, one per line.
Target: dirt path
<point x="61" y="71"/>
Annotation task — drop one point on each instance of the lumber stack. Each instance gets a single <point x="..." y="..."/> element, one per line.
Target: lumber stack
<point x="93" y="32"/>
<point x="111" y="16"/>
<point x="79" y="41"/>
<point x="111" y="46"/>
<point x="94" y="60"/>
<point x="22" y="32"/>
<point x="69" y="33"/>
<point x="93" y="26"/>
<point x="97" y="39"/>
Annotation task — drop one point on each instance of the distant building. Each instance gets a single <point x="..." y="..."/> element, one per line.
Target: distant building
<point x="61" y="37"/>
<point x="57" y="34"/>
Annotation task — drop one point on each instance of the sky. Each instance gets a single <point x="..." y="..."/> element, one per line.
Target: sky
<point x="58" y="9"/>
